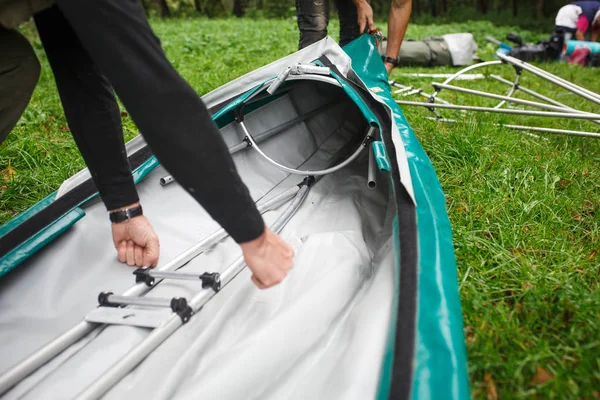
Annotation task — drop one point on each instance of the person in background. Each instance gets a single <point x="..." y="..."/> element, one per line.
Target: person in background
<point x="356" y="17"/>
<point x="579" y="20"/>
<point x="94" y="46"/>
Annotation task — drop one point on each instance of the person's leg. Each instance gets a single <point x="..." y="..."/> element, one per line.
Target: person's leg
<point x="19" y="74"/>
<point x="313" y="18"/>
<point x="168" y="112"/>
<point x="348" y="14"/>
<point x="91" y="109"/>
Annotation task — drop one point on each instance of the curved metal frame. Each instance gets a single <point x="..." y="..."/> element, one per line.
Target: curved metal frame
<point x="253" y="143"/>
<point x="561" y="110"/>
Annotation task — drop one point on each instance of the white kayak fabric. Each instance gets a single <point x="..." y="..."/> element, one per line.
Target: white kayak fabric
<point x="371" y="309"/>
<point x="310" y="337"/>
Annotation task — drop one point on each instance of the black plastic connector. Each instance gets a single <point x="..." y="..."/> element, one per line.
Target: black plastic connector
<point x="518" y="69"/>
<point x="211" y="280"/>
<point x="180" y="307"/>
<point x="103" y="300"/>
<point x="308" y="181"/>
<point x="143" y="275"/>
<point x="238" y="113"/>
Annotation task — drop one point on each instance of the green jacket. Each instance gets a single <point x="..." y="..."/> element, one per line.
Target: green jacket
<point x="14" y="12"/>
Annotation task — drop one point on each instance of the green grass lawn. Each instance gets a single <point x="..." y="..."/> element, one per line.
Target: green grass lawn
<point x="524" y="209"/>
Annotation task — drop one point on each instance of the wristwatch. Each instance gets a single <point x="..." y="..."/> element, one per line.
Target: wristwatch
<point x="393" y="61"/>
<point x="126" y="214"/>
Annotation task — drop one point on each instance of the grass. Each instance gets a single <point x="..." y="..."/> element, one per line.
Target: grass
<point x="525" y="210"/>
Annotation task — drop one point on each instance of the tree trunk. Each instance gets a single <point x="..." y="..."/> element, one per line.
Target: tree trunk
<point x="433" y="8"/>
<point x="198" y="6"/>
<point x="238" y="8"/>
<point x="515" y="8"/>
<point x="482" y="6"/>
<point x="416" y="8"/>
<point x="163" y="8"/>
<point x="443" y="7"/>
<point x="540" y="8"/>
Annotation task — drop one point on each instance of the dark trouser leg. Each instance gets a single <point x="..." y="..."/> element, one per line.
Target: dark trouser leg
<point x="90" y="107"/>
<point x="19" y="73"/>
<point x="348" y="14"/>
<point x="313" y="18"/>
<point x="168" y="112"/>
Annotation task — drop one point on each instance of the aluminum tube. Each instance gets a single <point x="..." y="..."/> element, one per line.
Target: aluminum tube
<point x="510" y="99"/>
<point x="174" y="275"/>
<point x="271" y="132"/>
<point x="182" y="259"/>
<point x="17" y="373"/>
<point x="307" y="77"/>
<point x="421" y="93"/>
<point x="467" y="69"/>
<point x="166" y="180"/>
<point x="372" y="171"/>
<point x="138" y="301"/>
<point x="237" y="267"/>
<point x="530" y="92"/>
<point x="415" y="91"/>
<point x="578" y="90"/>
<point x="533" y="128"/>
<point x="552" y="130"/>
<point x="160" y="334"/>
<point x="404" y="89"/>
<point x="546" y="74"/>
<point x="296" y="171"/>
<point x="500" y="110"/>
<point x="210" y="241"/>
<point x="310" y="69"/>
<point x="41" y="356"/>
<point x="511" y="91"/>
<point x="540" y="96"/>
<point x="131" y="359"/>
<point x="465" y="77"/>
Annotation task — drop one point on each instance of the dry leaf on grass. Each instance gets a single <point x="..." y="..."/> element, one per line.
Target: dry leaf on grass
<point x="492" y="393"/>
<point x="8" y="174"/>
<point x="541" y="376"/>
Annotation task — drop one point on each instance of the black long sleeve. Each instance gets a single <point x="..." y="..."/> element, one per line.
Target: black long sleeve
<point x="91" y="109"/>
<point x="169" y="113"/>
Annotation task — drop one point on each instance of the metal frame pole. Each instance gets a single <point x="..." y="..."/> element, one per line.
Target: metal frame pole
<point x="467" y="69"/>
<point x="159" y="335"/>
<point x="537" y="95"/>
<point x="552" y="130"/>
<point x="341" y="165"/>
<point x="578" y="90"/>
<point x="511" y="91"/>
<point x="509" y="99"/>
<point x="531" y="128"/>
<point x="501" y="110"/>
<point x="530" y="92"/>
<point x="46" y="353"/>
<point x="421" y="93"/>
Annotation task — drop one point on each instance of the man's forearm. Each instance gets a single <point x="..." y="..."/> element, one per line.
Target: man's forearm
<point x="397" y="23"/>
<point x="579" y="35"/>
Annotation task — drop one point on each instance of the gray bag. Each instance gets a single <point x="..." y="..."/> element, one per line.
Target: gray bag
<point x="431" y="52"/>
<point x="455" y="49"/>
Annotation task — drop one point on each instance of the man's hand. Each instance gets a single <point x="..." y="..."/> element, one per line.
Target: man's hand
<point x="365" y="15"/>
<point x="269" y="258"/>
<point x="136" y="242"/>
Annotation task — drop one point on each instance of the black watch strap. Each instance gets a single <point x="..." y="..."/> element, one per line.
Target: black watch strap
<point x="393" y="61"/>
<point x="126" y="214"/>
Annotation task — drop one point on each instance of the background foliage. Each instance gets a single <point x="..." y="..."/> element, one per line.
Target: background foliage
<point x="536" y="14"/>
